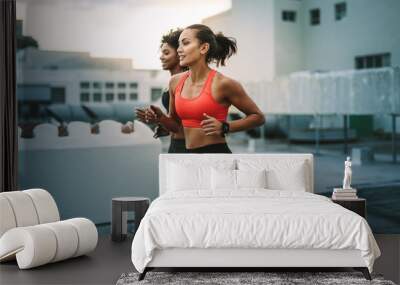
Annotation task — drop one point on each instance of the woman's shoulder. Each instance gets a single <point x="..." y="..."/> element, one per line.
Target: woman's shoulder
<point x="224" y="82"/>
<point x="174" y="80"/>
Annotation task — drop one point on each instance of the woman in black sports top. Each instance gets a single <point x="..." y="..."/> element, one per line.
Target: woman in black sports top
<point x="169" y="61"/>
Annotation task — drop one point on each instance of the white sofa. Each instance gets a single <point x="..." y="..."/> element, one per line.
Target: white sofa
<point x="31" y="231"/>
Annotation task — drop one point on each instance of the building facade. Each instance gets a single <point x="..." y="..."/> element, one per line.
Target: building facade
<point x="278" y="37"/>
<point x="75" y="78"/>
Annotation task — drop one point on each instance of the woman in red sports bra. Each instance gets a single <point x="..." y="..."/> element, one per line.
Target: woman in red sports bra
<point x="201" y="97"/>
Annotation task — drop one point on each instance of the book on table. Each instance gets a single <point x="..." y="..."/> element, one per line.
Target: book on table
<point x="339" y="196"/>
<point x="344" y="194"/>
<point x="341" y="190"/>
<point x="344" y="198"/>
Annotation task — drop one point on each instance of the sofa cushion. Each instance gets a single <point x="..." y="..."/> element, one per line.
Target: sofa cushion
<point x="7" y="215"/>
<point x="46" y="207"/>
<point x="24" y="209"/>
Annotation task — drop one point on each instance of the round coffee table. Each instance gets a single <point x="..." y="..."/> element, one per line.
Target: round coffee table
<point x="120" y="208"/>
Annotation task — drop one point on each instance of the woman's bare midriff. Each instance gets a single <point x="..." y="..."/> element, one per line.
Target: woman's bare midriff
<point x="178" y="136"/>
<point x="196" y="137"/>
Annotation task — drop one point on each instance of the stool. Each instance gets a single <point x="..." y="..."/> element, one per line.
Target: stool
<point x="120" y="208"/>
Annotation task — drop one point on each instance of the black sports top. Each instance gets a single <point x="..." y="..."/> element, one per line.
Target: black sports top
<point x="165" y="99"/>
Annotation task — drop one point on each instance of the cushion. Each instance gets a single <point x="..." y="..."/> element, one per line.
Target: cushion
<point x="227" y="179"/>
<point x="187" y="177"/>
<point x="23" y="208"/>
<point x="251" y="178"/>
<point x="193" y="174"/>
<point x="283" y="174"/>
<point x="7" y="215"/>
<point x="46" y="207"/>
<point x="223" y="179"/>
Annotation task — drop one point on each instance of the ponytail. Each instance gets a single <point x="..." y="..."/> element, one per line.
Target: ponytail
<point x="225" y="48"/>
<point x="221" y="47"/>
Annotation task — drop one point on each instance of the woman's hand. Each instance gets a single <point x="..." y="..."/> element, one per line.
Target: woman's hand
<point x="127" y="128"/>
<point x="141" y="115"/>
<point x="149" y="115"/>
<point x="155" y="112"/>
<point x="211" y="126"/>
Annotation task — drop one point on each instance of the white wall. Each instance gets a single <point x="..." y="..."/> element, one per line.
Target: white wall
<point x="288" y="38"/>
<point x="251" y="23"/>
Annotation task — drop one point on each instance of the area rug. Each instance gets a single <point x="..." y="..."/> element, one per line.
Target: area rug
<point x="243" y="278"/>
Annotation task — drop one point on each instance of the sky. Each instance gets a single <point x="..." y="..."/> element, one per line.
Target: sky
<point x="112" y="28"/>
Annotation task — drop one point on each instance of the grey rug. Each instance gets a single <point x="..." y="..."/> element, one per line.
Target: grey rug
<point x="231" y="278"/>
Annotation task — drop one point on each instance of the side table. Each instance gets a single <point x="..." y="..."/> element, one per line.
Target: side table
<point x="356" y="205"/>
<point x="120" y="208"/>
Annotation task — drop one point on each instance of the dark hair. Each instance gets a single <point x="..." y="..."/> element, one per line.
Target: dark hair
<point x="221" y="47"/>
<point x="171" y="38"/>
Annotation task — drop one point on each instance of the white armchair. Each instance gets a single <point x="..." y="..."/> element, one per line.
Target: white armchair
<point x="31" y="231"/>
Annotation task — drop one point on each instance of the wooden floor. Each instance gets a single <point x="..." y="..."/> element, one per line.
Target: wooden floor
<point x="103" y="266"/>
<point x="110" y="259"/>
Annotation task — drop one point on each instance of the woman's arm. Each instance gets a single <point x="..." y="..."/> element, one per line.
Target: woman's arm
<point x="171" y="122"/>
<point x="237" y="96"/>
<point x="233" y="93"/>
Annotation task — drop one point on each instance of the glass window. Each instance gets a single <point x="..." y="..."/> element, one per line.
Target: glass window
<point x="314" y="17"/>
<point x="340" y="11"/>
<point x="289" y="16"/>
<point x="133" y="96"/>
<point x="386" y="59"/>
<point x="109" y="84"/>
<point x="372" y="61"/>
<point x="109" y="97"/>
<point x="378" y="61"/>
<point x="97" y="97"/>
<point x="121" y="96"/>
<point x="85" y="84"/>
<point x="359" y="63"/>
<point x="84" y="97"/>
<point x="58" y="95"/>
<point x="155" y="93"/>
<point x="96" y="85"/>
<point x="369" y="61"/>
<point x="121" y="84"/>
<point x="133" y="85"/>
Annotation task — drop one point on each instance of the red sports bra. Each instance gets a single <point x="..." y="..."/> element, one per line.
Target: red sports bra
<point x="191" y="110"/>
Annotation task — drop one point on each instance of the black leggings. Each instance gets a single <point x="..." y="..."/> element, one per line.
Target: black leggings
<point x="212" y="148"/>
<point x="177" y="146"/>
